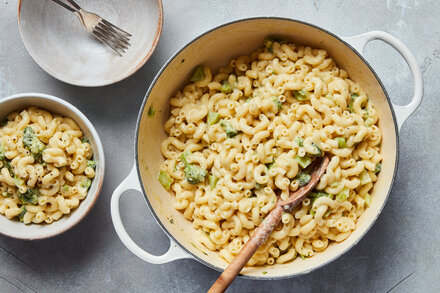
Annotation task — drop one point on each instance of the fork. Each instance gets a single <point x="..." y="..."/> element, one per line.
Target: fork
<point x="103" y="30"/>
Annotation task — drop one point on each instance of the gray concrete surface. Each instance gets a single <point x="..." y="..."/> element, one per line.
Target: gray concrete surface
<point x="90" y="258"/>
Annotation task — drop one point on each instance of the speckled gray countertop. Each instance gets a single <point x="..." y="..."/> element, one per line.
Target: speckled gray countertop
<point x="405" y="240"/>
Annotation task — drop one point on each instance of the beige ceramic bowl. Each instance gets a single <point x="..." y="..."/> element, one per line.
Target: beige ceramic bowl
<point x="214" y="49"/>
<point x="56" y="40"/>
<point x="16" y="229"/>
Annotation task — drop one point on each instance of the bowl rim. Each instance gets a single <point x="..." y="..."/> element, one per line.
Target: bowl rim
<point x="99" y="149"/>
<point x="142" y="111"/>
<point x="129" y="73"/>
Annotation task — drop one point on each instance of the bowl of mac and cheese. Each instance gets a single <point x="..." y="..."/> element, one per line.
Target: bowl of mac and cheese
<point x="51" y="166"/>
<point x="231" y="126"/>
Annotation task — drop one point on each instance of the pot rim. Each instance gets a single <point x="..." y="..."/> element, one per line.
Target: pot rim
<point x="159" y="74"/>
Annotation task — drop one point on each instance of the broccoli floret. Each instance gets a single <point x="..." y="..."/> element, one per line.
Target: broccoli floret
<point x="301" y="95"/>
<point x="299" y="141"/>
<point x="213" y="118"/>
<point x="198" y="74"/>
<point x="165" y="179"/>
<point x="212" y="181"/>
<point x="86" y="183"/>
<point x="277" y="102"/>
<point x="314" y="195"/>
<point x="258" y="186"/>
<point x="226" y="88"/>
<point x="318" y="151"/>
<point x="303" y="178"/>
<point x="230" y="131"/>
<point x="91" y="164"/>
<point x="22" y="213"/>
<point x="353" y="96"/>
<point x="151" y="111"/>
<point x="6" y="194"/>
<point x="33" y="144"/>
<point x="270" y="165"/>
<point x="193" y="174"/>
<point x="85" y="140"/>
<point x="2" y="152"/>
<point x="378" y="168"/>
<point x="30" y="196"/>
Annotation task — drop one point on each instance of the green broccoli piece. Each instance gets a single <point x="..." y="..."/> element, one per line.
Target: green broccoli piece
<point x="213" y="118"/>
<point x="343" y="195"/>
<point x="18" y="181"/>
<point x="318" y="151"/>
<point x="314" y="195"/>
<point x="212" y="181"/>
<point x="2" y="152"/>
<point x="268" y="44"/>
<point x="66" y="187"/>
<point x="378" y="168"/>
<point x="341" y="142"/>
<point x="85" y="140"/>
<point x="151" y="111"/>
<point x="230" y="131"/>
<point x="91" y="164"/>
<point x="30" y="196"/>
<point x="33" y="144"/>
<point x="226" y="88"/>
<point x="8" y="166"/>
<point x="303" y="161"/>
<point x="6" y="194"/>
<point x="198" y="74"/>
<point x="258" y="186"/>
<point x="193" y="174"/>
<point x="277" y="102"/>
<point x="301" y="95"/>
<point x="353" y="96"/>
<point x="22" y="213"/>
<point x="165" y="179"/>
<point x="303" y="178"/>
<point x="270" y="165"/>
<point x="86" y="183"/>
<point x="299" y="141"/>
<point x="367" y="199"/>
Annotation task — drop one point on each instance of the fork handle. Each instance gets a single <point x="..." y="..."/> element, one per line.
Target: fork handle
<point x="74" y="4"/>
<point x="64" y="5"/>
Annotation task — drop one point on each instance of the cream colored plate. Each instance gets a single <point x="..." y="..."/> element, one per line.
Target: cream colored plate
<point x="63" y="48"/>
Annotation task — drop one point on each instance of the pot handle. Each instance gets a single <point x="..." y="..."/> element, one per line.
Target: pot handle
<point x="402" y="112"/>
<point x="173" y="253"/>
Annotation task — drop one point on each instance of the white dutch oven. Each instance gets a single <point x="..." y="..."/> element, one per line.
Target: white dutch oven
<point x="214" y="49"/>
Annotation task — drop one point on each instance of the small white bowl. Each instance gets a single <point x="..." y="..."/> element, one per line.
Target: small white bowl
<point x="55" y="105"/>
<point x="56" y="40"/>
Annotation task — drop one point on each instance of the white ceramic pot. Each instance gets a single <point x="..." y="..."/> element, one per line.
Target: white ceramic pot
<point x="55" y="105"/>
<point x="214" y="49"/>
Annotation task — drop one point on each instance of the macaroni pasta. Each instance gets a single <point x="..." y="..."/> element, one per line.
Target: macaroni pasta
<point x="45" y="166"/>
<point x="245" y="137"/>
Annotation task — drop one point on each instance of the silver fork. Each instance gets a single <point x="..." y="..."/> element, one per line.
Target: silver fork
<point x="103" y="30"/>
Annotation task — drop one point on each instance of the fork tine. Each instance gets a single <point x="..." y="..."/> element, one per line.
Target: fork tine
<point x="114" y="26"/>
<point x="105" y="41"/>
<point x="113" y="34"/>
<point x="110" y="37"/>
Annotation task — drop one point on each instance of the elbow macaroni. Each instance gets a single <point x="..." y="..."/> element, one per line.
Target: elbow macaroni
<point x="57" y="177"/>
<point x="280" y="94"/>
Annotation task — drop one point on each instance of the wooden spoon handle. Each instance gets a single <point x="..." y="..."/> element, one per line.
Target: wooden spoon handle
<point x="247" y="251"/>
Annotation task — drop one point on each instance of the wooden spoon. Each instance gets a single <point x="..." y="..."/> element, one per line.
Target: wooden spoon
<point x="265" y="229"/>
